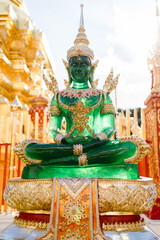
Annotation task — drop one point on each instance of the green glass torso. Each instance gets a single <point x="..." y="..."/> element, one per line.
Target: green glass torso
<point x="94" y="120"/>
<point x="114" y="166"/>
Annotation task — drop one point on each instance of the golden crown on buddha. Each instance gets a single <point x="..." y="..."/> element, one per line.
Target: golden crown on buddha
<point x="81" y="42"/>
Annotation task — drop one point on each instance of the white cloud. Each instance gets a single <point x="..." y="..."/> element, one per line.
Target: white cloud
<point x="121" y="33"/>
<point x="129" y="43"/>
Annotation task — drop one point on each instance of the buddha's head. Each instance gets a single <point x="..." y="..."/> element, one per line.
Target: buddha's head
<point x="80" y="69"/>
<point x="80" y="66"/>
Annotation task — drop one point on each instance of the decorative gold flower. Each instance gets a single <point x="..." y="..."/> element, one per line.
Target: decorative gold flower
<point x="64" y="197"/>
<point x="84" y="227"/>
<point x="85" y="197"/>
<point x="74" y="211"/>
<point x="62" y="226"/>
<point x="76" y="235"/>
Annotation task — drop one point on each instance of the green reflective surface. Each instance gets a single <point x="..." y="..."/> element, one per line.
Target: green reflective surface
<point x="121" y="171"/>
<point x="84" y="121"/>
<point x="100" y="152"/>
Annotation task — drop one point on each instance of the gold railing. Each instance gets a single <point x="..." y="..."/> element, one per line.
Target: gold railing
<point x="13" y="129"/>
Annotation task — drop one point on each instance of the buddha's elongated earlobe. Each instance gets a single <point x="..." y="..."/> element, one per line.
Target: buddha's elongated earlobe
<point x="66" y="83"/>
<point x="66" y="64"/>
<point x="93" y="83"/>
<point x="95" y="64"/>
<point x="69" y="76"/>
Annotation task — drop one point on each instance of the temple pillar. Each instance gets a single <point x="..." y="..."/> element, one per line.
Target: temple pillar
<point x="152" y="122"/>
<point x="142" y="165"/>
<point x="38" y="110"/>
<point x="152" y="118"/>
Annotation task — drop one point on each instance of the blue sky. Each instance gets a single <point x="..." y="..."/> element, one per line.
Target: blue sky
<point x="120" y="32"/>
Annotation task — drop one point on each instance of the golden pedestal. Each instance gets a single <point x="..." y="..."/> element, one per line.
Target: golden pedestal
<point x="73" y="203"/>
<point x="114" y="195"/>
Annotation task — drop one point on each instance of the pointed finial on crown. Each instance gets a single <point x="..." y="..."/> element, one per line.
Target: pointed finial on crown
<point x="81" y="42"/>
<point x="81" y="18"/>
<point x="81" y="36"/>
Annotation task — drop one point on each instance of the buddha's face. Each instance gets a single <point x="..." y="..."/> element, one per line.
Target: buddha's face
<point x="80" y="68"/>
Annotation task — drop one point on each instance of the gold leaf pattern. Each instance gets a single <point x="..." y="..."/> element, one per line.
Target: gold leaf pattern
<point x="80" y="111"/>
<point x="73" y="235"/>
<point x="134" y="196"/>
<point x="108" y="108"/>
<point x="74" y="211"/>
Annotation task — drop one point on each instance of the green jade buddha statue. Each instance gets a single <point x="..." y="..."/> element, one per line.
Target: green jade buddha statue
<point x="85" y="150"/>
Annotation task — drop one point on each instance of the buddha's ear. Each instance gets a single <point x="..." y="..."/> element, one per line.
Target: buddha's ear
<point x="66" y="64"/>
<point x="69" y="75"/>
<point x="93" y="68"/>
<point x="94" y="65"/>
<point x="91" y="78"/>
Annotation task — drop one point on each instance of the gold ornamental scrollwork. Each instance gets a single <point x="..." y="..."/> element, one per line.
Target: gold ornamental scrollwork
<point x="31" y="195"/>
<point x="24" y="223"/>
<point x="134" y="196"/>
<point x="20" y="150"/>
<point x="123" y="226"/>
<point x="158" y="118"/>
<point x="142" y="148"/>
<point x="131" y="197"/>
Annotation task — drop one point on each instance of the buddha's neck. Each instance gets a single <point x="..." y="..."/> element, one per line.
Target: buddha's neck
<point x="80" y="85"/>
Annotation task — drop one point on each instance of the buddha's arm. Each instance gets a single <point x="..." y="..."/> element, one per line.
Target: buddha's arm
<point x="107" y="116"/>
<point x="55" y="122"/>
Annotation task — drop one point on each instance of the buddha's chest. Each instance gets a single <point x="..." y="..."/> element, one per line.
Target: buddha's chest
<point x="79" y="105"/>
<point x="80" y="108"/>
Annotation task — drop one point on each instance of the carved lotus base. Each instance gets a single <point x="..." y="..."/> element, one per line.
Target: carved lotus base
<point x="115" y="196"/>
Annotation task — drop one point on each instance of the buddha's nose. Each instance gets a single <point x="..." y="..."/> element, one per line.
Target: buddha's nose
<point x="79" y="66"/>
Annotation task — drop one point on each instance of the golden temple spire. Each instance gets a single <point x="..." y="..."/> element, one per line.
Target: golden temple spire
<point x="81" y="42"/>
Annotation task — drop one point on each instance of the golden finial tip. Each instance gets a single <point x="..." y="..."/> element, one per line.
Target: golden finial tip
<point x="81" y="5"/>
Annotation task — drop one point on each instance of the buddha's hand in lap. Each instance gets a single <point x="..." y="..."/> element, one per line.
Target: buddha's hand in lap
<point x="79" y="140"/>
